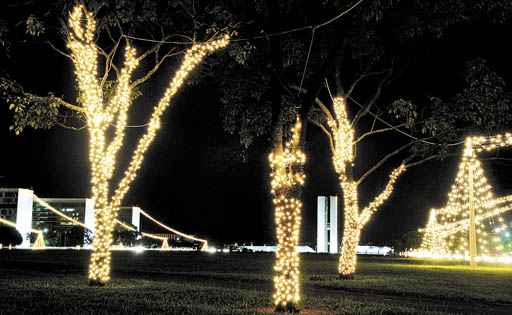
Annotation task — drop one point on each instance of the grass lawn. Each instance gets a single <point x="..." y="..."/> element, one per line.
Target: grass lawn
<point x="199" y="283"/>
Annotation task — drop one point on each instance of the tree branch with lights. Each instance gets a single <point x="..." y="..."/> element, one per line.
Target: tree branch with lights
<point x="101" y="114"/>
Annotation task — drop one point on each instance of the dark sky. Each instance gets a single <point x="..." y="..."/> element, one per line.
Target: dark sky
<point x="192" y="178"/>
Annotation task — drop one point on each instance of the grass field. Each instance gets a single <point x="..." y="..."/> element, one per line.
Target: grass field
<point x="200" y="283"/>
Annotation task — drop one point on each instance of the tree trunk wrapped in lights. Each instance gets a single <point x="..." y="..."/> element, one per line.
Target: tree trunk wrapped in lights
<point x="287" y="180"/>
<point x="102" y="114"/>
<point x="343" y="158"/>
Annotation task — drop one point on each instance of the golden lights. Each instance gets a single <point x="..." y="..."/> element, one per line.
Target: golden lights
<point x="468" y="227"/>
<point x="287" y="179"/>
<point x="343" y="158"/>
<point x="204" y="247"/>
<point x="102" y="114"/>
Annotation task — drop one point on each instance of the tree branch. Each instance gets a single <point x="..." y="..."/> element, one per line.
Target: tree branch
<point x="320" y="104"/>
<point x="109" y="61"/>
<point x="327" y="133"/>
<point x="46" y="99"/>
<point x="363" y="111"/>
<point x="367" y="212"/>
<point x="383" y="160"/>
<point x="361" y="77"/>
<point x="71" y="127"/>
<point x="58" y="50"/>
<point x="153" y="70"/>
<point x="372" y="132"/>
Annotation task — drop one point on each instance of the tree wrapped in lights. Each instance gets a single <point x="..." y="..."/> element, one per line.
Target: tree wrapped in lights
<point x="101" y="114"/>
<point x="341" y="134"/>
<point x="468" y="227"/>
<point x="287" y="180"/>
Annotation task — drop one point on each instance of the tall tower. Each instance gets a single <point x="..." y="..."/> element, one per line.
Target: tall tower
<point x="327" y="225"/>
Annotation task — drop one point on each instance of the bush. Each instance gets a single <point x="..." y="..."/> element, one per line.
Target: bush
<point x="9" y="236"/>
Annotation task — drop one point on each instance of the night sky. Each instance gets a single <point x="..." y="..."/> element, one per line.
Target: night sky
<point x="193" y="178"/>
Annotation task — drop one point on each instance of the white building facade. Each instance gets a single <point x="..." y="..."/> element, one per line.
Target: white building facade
<point x="327" y="225"/>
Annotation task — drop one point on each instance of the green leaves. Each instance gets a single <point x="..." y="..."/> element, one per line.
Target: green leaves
<point x="28" y="110"/>
<point x="34" y="26"/>
<point x="404" y="110"/>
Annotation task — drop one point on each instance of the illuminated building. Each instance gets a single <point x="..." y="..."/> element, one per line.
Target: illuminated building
<point x="59" y="231"/>
<point x="327" y="225"/>
<point x="16" y="206"/>
<point x="130" y="215"/>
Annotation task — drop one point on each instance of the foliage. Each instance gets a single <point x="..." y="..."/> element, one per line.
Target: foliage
<point x="28" y="110"/>
<point x="367" y="35"/>
<point x="178" y="21"/>
<point x="9" y="236"/>
<point x="482" y="107"/>
<point x="411" y="239"/>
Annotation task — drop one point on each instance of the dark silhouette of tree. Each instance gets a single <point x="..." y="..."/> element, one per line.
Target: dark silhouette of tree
<point x="9" y="236"/>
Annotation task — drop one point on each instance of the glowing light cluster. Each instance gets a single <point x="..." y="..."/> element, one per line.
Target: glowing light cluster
<point x="382" y="197"/>
<point x="101" y="114"/>
<point x="343" y="137"/>
<point x="469" y="226"/>
<point x="287" y="179"/>
<point x="343" y="158"/>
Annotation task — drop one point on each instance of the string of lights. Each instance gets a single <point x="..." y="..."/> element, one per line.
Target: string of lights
<point x="469" y="226"/>
<point x="59" y="213"/>
<point x="187" y="236"/>
<point x="287" y="179"/>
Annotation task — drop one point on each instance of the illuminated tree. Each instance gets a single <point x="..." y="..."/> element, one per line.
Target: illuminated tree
<point x="101" y="114"/>
<point x="279" y="77"/>
<point x="470" y="225"/>
<point x="105" y="112"/>
<point x="343" y="142"/>
<point x="287" y="179"/>
<point x="436" y="132"/>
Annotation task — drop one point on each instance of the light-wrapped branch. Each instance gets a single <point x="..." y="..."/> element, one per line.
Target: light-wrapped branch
<point x="367" y="212"/>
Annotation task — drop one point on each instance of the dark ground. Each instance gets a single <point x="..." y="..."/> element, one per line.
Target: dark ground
<point x="199" y="283"/>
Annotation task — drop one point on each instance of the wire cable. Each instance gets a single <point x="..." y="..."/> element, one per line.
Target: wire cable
<point x="401" y="131"/>
<point x="280" y="33"/>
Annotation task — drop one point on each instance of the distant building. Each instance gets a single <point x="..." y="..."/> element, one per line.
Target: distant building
<point x="16" y="206"/>
<point x="130" y="215"/>
<point x="327" y="225"/>
<point x="375" y="250"/>
<point x="59" y="231"/>
<point x="273" y="248"/>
